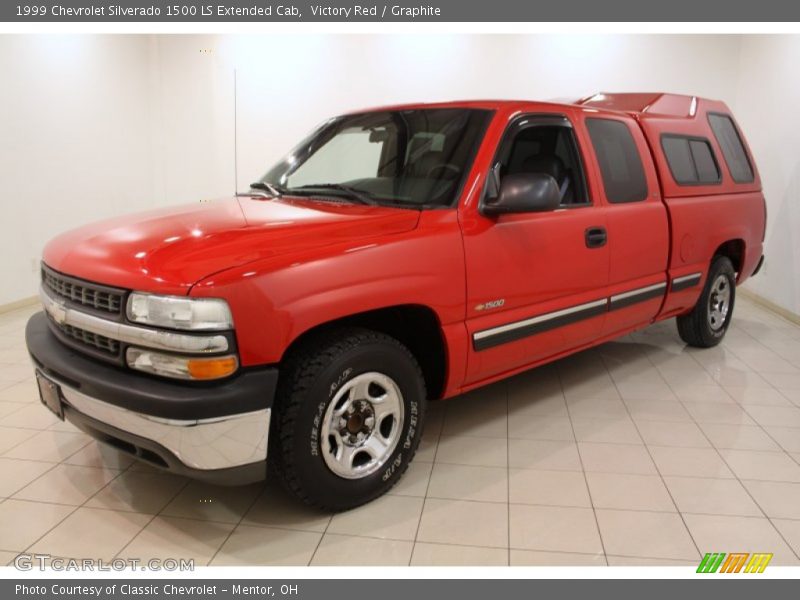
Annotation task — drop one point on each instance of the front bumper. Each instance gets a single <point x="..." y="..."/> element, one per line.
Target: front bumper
<point x="216" y="431"/>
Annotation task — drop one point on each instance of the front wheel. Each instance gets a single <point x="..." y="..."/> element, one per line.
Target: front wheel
<point x="706" y="325"/>
<point x="349" y="414"/>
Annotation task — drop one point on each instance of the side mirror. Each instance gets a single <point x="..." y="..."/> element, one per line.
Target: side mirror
<point x="524" y="192"/>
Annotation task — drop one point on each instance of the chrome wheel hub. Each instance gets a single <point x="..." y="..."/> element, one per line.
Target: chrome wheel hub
<point x="362" y="425"/>
<point x="719" y="302"/>
<point x="357" y="423"/>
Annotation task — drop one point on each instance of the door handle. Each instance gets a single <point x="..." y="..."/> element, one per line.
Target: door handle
<point x="596" y="237"/>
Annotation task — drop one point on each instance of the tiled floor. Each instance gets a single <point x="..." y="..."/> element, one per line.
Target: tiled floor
<point x="641" y="451"/>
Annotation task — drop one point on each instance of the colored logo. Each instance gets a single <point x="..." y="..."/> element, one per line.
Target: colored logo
<point x="735" y="562"/>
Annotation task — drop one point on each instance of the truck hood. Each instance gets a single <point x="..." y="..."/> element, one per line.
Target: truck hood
<point x="169" y="250"/>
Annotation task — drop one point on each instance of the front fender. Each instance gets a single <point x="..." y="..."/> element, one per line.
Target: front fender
<point x="275" y="301"/>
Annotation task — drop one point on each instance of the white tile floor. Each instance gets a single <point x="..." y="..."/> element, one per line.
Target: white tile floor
<point x="641" y="451"/>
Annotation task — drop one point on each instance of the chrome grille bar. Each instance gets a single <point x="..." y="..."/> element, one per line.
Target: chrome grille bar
<point x="130" y="334"/>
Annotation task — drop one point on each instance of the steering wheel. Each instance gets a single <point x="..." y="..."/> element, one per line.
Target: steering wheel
<point x="443" y="167"/>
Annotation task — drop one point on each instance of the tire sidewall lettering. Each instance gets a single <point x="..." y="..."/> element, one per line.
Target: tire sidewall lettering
<point x="411" y="425"/>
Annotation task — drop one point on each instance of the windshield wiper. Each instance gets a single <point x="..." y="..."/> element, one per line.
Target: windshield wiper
<point x="273" y="190"/>
<point x="351" y="193"/>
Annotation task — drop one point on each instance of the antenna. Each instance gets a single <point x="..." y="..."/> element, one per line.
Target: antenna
<point x="235" y="140"/>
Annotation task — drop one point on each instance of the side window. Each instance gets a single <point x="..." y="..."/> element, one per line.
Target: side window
<point x="691" y="160"/>
<point x="620" y="164"/>
<point x="704" y="161"/>
<point x="545" y="145"/>
<point x="732" y="148"/>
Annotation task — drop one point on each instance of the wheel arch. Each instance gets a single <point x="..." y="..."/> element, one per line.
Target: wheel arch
<point x="734" y="250"/>
<point x="414" y="325"/>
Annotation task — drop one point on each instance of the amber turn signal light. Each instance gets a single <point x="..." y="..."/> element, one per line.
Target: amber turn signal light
<point x="194" y="368"/>
<point x="212" y="368"/>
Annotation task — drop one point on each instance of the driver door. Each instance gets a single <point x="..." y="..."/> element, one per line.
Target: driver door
<point x="536" y="282"/>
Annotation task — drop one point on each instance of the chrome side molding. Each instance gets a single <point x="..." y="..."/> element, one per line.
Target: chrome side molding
<point x="495" y="336"/>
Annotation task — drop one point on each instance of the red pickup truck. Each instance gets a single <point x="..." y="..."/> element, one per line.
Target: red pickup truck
<point x="395" y="256"/>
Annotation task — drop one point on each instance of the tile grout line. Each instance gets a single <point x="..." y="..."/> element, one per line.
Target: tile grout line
<point x="319" y="543"/>
<point x="724" y="460"/>
<point x="119" y="474"/>
<point x="507" y="386"/>
<point x="647" y="449"/>
<point x="75" y="508"/>
<point x="60" y="463"/>
<point x="583" y="468"/>
<point x="239" y="522"/>
<point x="152" y="517"/>
<point x="19" y="407"/>
<point x="445" y="407"/>
<point x="744" y="406"/>
<point x="717" y="450"/>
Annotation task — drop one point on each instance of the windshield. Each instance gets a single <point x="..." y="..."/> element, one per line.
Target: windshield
<point x="416" y="158"/>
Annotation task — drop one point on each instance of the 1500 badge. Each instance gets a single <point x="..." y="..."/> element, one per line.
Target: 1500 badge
<point x="491" y="304"/>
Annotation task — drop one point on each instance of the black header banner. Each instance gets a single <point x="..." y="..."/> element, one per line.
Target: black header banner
<point x="339" y="11"/>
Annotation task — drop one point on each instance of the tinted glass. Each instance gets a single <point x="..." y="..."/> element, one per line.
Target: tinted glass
<point x="707" y="171"/>
<point x="679" y="158"/>
<point x="732" y="148"/>
<point x="549" y="149"/>
<point x="620" y="164"/>
<point x="691" y="161"/>
<point x="416" y="158"/>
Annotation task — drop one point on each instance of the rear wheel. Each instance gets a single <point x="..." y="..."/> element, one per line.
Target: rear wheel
<point x="706" y="325"/>
<point x="349" y="414"/>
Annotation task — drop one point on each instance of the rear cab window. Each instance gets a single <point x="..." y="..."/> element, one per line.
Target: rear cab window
<point x="621" y="167"/>
<point x="730" y="142"/>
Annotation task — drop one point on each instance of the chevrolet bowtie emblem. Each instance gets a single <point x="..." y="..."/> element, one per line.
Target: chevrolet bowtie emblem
<point x="58" y="311"/>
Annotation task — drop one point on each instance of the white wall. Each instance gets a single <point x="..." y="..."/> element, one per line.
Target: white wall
<point x="193" y="121"/>
<point x="287" y="84"/>
<point x="75" y="142"/>
<point x="768" y="110"/>
<point x="175" y="97"/>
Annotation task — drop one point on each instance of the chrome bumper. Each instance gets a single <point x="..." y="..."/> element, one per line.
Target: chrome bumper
<point x="204" y="444"/>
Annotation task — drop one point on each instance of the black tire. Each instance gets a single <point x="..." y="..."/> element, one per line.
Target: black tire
<point x="695" y="328"/>
<point x="310" y="379"/>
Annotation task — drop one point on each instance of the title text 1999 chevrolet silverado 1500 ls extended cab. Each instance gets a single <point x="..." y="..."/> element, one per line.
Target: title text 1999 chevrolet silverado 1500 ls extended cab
<point x="394" y="256"/>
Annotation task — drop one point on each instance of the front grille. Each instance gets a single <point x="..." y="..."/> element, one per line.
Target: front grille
<point x="100" y="342"/>
<point x="83" y="293"/>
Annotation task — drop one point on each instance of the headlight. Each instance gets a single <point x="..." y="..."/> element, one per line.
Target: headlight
<point x="182" y="367"/>
<point x="179" y="312"/>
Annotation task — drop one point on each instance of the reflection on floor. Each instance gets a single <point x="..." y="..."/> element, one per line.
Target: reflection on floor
<point x="641" y="451"/>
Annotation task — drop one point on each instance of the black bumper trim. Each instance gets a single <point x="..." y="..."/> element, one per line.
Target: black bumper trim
<point x="156" y="455"/>
<point x="251" y="390"/>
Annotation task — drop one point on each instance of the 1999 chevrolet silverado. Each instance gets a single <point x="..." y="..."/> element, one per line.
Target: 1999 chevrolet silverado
<point x="395" y="256"/>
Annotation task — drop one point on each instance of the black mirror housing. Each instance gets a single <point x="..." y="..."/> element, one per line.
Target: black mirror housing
<point x="525" y="192"/>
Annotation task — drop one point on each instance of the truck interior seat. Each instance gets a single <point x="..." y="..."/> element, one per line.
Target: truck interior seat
<point x="551" y="165"/>
<point x="427" y="162"/>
